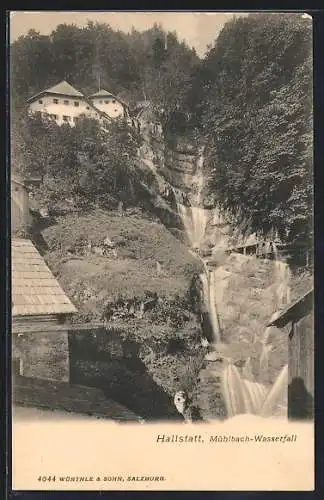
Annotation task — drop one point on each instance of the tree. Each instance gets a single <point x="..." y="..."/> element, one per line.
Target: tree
<point x="85" y="164"/>
<point x="257" y="121"/>
<point x="108" y="168"/>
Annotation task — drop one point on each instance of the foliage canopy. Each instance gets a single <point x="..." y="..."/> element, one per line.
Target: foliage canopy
<point x="256" y="117"/>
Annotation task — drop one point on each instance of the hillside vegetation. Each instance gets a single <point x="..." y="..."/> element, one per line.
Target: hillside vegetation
<point x="151" y="65"/>
<point x="147" y="256"/>
<point x="138" y="285"/>
<point x="256" y="118"/>
<point x="113" y="238"/>
<point x="249" y="101"/>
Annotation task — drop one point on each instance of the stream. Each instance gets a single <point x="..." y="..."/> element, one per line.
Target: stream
<point x="241" y="392"/>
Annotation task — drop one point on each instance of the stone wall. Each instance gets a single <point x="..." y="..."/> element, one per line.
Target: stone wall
<point x="43" y="355"/>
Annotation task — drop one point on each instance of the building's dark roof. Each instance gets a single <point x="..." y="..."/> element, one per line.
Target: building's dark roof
<point x="35" y="291"/>
<point x="294" y="311"/>
<point x="62" y="88"/>
<point x="102" y="93"/>
<point x="65" y="397"/>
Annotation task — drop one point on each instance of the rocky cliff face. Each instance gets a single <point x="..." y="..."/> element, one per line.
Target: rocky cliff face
<point x="239" y="292"/>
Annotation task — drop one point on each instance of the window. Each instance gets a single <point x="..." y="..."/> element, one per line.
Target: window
<point x="106" y="102"/>
<point x="40" y="101"/>
<point x="66" y="102"/>
<point x="88" y="107"/>
<point x="76" y="103"/>
<point x="17" y="366"/>
<point x="66" y="118"/>
<point x="114" y="102"/>
<point x="56" y="101"/>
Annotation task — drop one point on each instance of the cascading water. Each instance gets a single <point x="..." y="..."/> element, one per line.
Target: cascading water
<point x="195" y="221"/>
<point x="243" y="395"/>
<point x="214" y="319"/>
<point x="194" y="216"/>
<point x="264" y="356"/>
<point x="241" y="392"/>
<point x="282" y="278"/>
<point x="276" y="400"/>
<point x="282" y="296"/>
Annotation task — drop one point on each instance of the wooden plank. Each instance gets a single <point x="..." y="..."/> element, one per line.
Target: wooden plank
<point x="294" y="311"/>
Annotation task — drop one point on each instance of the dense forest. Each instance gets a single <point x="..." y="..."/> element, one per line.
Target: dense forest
<point x="150" y="65"/>
<point x="257" y="122"/>
<point x="249" y="100"/>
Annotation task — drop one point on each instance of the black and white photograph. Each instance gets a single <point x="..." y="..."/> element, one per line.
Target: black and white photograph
<point x="161" y="217"/>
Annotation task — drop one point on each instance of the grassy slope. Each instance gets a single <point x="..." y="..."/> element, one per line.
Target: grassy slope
<point x="140" y="244"/>
<point x="93" y="280"/>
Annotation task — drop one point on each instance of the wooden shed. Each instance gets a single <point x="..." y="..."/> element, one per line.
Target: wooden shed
<point x="38" y="304"/>
<point x="298" y="320"/>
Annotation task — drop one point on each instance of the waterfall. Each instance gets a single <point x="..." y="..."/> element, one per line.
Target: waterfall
<point x="247" y="370"/>
<point x="241" y="395"/>
<point x="195" y="217"/>
<point x="276" y="400"/>
<point x="195" y="221"/>
<point x="207" y="279"/>
<point x="264" y="356"/>
<point x="212" y="307"/>
<point x="241" y="392"/>
<point x="282" y="298"/>
<point x="244" y="395"/>
<point x="282" y="278"/>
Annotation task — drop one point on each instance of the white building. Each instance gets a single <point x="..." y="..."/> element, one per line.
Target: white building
<point x="108" y="103"/>
<point x="65" y="104"/>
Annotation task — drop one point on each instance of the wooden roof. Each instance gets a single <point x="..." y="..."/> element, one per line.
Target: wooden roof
<point x="102" y="93"/>
<point x="294" y="311"/>
<point x="62" y="396"/>
<point x="35" y="291"/>
<point x="62" y="88"/>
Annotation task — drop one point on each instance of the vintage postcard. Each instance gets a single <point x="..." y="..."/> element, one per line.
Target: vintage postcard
<point x="162" y="251"/>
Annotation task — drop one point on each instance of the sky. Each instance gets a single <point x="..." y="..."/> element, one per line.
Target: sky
<point x="197" y="29"/>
